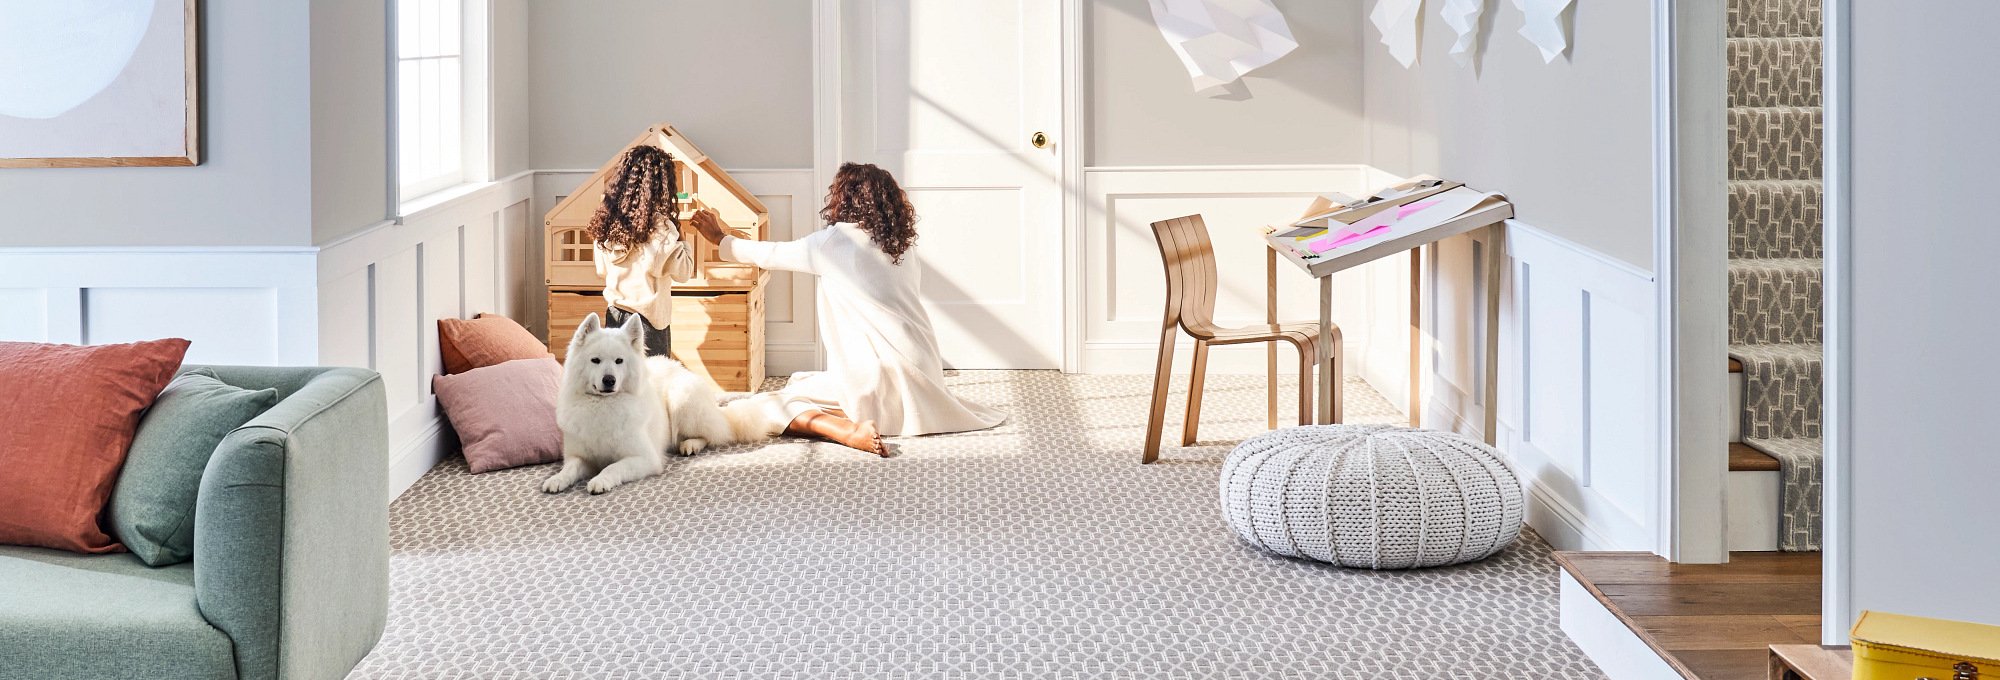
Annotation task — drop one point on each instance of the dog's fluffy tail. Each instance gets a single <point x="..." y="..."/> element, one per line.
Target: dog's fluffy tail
<point x="755" y="418"/>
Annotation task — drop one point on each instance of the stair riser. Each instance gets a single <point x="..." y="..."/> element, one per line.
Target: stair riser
<point x="1782" y="399"/>
<point x="1773" y="18"/>
<point x="1774" y="72"/>
<point x="1775" y="221"/>
<point x="1771" y="305"/>
<point x="1774" y="143"/>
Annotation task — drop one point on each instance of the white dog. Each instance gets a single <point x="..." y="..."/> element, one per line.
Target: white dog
<point x="620" y="410"/>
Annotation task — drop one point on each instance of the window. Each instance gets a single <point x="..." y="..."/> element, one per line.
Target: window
<point x="440" y="86"/>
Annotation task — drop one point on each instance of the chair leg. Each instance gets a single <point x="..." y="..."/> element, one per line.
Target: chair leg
<point x="1162" y="376"/>
<point x="1308" y="363"/>
<point x="1194" y="393"/>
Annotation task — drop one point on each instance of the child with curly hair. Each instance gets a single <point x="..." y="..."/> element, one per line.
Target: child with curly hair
<point x="638" y="246"/>
<point x="884" y="374"/>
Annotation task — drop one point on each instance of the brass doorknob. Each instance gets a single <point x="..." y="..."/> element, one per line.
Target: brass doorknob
<point x="1039" y="139"/>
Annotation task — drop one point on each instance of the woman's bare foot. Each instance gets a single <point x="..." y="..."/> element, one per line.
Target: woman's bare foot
<point x="862" y="436"/>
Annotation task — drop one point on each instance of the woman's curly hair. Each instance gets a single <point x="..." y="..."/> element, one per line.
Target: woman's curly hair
<point x="869" y="197"/>
<point x="636" y="198"/>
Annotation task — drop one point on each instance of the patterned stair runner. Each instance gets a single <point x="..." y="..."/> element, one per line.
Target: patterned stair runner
<point x="1774" y="244"/>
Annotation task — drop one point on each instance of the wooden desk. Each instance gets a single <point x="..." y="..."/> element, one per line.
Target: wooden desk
<point x="1489" y="216"/>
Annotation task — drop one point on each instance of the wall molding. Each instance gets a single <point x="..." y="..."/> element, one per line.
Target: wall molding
<point x="1579" y="410"/>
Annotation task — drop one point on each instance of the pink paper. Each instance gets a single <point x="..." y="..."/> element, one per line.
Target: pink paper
<point x="1405" y="210"/>
<point x="1344" y="237"/>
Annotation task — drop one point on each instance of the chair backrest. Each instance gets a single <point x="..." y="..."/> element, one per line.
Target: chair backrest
<point x="1190" y="264"/>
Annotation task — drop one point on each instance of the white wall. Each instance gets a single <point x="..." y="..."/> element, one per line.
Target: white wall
<point x="1570" y="142"/>
<point x="736" y="77"/>
<point x="1922" y="314"/>
<point x="1304" y="108"/>
<point x="349" y="117"/>
<point x="511" y="78"/>
<point x="253" y="182"/>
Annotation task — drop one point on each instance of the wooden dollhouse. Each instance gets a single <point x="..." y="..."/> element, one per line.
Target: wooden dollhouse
<point x="718" y="324"/>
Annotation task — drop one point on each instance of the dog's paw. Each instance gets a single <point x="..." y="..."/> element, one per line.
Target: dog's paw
<point x="599" y="485"/>
<point x="557" y="484"/>
<point x="693" y="445"/>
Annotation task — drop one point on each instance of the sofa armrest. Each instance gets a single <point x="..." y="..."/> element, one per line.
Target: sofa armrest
<point x="291" y="539"/>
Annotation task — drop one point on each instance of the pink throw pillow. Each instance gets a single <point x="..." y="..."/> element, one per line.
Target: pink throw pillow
<point x="505" y="414"/>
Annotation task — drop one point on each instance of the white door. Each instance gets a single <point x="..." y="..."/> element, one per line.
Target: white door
<point x="948" y="95"/>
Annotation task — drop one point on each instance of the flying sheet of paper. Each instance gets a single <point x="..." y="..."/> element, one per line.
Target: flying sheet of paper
<point x="1463" y="18"/>
<point x="1544" y="26"/>
<point x="1221" y="40"/>
<point x="1398" y="22"/>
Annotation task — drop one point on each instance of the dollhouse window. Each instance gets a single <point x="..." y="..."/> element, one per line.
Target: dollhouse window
<point x="440" y="87"/>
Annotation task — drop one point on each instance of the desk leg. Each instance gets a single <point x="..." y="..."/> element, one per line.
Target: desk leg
<point x="1329" y="370"/>
<point x="1416" y="336"/>
<point x="1496" y="248"/>
<point x="1271" y="348"/>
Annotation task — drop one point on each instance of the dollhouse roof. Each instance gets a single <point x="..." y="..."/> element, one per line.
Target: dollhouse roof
<point x="716" y="189"/>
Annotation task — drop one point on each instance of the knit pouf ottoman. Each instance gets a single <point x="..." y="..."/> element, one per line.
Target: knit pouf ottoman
<point x="1373" y="496"/>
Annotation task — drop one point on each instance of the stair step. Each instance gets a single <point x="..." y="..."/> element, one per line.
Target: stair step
<point x="1767" y="72"/>
<point x="1773" y="18"/>
<point x="1782" y="390"/>
<point x="1775" y="301"/>
<point x="1742" y="458"/>
<point x="1773" y="219"/>
<point x="1774" y="142"/>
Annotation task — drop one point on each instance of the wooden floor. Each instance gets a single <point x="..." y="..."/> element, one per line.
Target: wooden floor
<point x="1710" y="621"/>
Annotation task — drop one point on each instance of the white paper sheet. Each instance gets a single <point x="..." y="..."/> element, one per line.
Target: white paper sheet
<point x="1544" y="26"/>
<point x="1398" y="22"/>
<point x="1463" y="18"/>
<point x="1221" y="40"/>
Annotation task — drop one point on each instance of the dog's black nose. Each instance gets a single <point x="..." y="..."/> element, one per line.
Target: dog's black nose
<point x="610" y="383"/>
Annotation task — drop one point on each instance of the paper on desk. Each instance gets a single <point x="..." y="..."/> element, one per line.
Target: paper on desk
<point x="1405" y="210"/>
<point x="1220" y="40"/>
<point x="1463" y="18"/>
<point x="1545" y="26"/>
<point x="1344" y="237"/>
<point x="1398" y="22"/>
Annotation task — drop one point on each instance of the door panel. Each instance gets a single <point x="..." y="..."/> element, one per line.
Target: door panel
<point x="946" y="94"/>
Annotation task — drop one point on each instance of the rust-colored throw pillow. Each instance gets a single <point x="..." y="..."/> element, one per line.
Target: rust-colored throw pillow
<point x="487" y="340"/>
<point x="69" y="414"/>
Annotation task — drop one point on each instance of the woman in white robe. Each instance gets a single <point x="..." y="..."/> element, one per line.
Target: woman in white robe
<point x="883" y="367"/>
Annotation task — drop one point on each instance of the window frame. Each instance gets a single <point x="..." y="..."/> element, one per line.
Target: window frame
<point x="475" y="104"/>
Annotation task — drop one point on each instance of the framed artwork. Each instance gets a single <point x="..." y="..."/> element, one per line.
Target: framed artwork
<point x="95" y="83"/>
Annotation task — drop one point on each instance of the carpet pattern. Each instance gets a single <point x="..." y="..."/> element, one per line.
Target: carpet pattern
<point x="1775" y="273"/>
<point x="1039" y="549"/>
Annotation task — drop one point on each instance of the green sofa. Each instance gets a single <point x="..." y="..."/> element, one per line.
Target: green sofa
<point x="290" y="577"/>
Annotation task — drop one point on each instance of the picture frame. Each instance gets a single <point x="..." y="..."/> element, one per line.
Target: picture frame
<point x="106" y="83"/>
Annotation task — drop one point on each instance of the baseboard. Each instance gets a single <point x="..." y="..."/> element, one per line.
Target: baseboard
<point x="1560" y="524"/>
<point x="1607" y="640"/>
<point x="418" y="455"/>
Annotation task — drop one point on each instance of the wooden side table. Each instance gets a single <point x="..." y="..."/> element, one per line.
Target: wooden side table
<point x="1811" y="662"/>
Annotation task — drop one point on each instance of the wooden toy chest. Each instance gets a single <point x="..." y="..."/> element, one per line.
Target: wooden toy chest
<point x="718" y="324"/>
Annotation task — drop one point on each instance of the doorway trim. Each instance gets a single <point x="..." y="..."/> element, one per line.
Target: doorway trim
<point x="1836" y="556"/>
<point x="1690" y="258"/>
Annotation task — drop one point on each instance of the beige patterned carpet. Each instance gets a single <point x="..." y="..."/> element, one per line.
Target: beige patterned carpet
<point x="1040" y="549"/>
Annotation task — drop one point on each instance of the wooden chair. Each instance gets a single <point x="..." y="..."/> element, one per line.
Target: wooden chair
<point x="1191" y="281"/>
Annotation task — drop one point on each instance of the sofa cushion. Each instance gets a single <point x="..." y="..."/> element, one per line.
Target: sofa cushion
<point x="152" y="507"/>
<point x="70" y="412"/>
<point x="487" y="340"/>
<point x="505" y="415"/>
<point x="64" y="615"/>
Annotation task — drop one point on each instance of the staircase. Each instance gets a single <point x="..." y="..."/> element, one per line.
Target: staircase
<point x="1775" y="279"/>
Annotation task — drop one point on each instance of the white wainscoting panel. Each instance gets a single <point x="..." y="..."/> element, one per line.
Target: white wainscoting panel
<point x="236" y="305"/>
<point x="791" y="342"/>
<point x="1124" y="288"/>
<point x="382" y="291"/>
<point x="1577" y="366"/>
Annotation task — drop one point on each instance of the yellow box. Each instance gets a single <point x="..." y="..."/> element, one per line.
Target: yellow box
<point x="1898" y="647"/>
